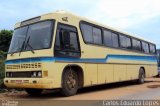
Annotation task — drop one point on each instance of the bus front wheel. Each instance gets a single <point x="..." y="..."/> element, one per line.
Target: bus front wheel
<point x="69" y="82"/>
<point x="33" y="92"/>
<point x="141" y="76"/>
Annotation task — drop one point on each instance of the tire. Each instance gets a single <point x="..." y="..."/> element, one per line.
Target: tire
<point x="141" y="76"/>
<point x="69" y="82"/>
<point x="34" y="92"/>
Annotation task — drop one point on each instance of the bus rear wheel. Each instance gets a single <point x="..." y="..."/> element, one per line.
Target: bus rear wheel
<point x="141" y="76"/>
<point x="33" y="92"/>
<point x="69" y="82"/>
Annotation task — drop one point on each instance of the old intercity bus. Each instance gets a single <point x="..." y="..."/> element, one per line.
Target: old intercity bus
<point x="158" y="58"/>
<point x="63" y="51"/>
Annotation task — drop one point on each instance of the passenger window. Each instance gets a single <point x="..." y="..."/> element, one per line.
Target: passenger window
<point x="87" y="33"/>
<point x="115" y="40"/>
<point x="110" y="39"/>
<point x="97" y="35"/>
<point x="128" y="43"/>
<point x="66" y="43"/>
<point x="125" y="42"/>
<point x="145" y="47"/>
<point x="91" y="34"/>
<point x="107" y="38"/>
<point x="152" y="48"/>
<point x="136" y="44"/>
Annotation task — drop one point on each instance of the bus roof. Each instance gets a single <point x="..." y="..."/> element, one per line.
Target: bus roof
<point x="62" y="13"/>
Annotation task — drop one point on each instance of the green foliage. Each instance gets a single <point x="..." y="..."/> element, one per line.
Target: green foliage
<point x="2" y="69"/>
<point x="2" y="66"/>
<point x="5" y="38"/>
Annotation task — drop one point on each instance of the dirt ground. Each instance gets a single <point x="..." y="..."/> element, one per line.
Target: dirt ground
<point x="150" y="90"/>
<point x="108" y="91"/>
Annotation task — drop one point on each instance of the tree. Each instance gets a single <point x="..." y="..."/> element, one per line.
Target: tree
<point x="5" y="38"/>
<point x="2" y="59"/>
<point x="2" y="67"/>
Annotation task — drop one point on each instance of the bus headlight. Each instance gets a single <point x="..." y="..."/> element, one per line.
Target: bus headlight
<point x="10" y="74"/>
<point x="37" y="74"/>
<point x="34" y="74"/>
<point x="7" y="74"/>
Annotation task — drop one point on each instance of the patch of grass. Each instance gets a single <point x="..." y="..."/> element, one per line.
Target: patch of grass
<point x="3" y="90"/>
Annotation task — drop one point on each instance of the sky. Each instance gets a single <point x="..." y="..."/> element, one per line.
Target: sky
<point x="138" y="17"/>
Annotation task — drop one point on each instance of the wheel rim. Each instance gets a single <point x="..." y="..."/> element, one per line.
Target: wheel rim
<point x="142" y="78"/>
<point x="71" y="80"/>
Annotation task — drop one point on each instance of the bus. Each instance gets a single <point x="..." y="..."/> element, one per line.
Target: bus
<point x="64" y="51"/>
<point x="158" y="56"/>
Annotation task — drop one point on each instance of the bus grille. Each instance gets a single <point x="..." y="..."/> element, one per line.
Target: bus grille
<point x="24" y="66"/>
<point x="20" y="74"/>
<point x="24" y="74"/>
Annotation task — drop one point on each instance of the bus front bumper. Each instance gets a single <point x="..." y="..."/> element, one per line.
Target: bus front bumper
<point x="39" y="83"/>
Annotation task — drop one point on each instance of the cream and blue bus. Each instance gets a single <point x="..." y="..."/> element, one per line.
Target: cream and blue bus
<point x="64" y="51"/>
<point x="158" y="58"/>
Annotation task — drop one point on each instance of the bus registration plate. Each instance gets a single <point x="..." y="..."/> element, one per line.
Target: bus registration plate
<point x="18" y="81"/>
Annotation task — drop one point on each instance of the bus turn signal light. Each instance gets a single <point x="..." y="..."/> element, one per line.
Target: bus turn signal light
<point x="45" y="73"/>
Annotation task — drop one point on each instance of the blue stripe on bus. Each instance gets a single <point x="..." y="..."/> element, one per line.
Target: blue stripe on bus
<point x="85" y="60"/>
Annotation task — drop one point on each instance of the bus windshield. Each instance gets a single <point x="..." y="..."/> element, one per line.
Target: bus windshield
<point x="37" y="36"/>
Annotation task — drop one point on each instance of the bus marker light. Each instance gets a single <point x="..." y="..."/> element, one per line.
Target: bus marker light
<point x="45" y="73"/>
<point x="34" y="81"/>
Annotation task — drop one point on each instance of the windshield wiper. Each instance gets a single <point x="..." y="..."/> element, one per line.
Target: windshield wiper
<point x="21" y="48"/>
<point x="28" y="45"/>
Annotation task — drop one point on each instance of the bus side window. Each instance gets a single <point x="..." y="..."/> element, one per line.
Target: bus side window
<point x="66" y="39"/>
<point x="66" y="44"/>
<point x="145" y="47"/>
